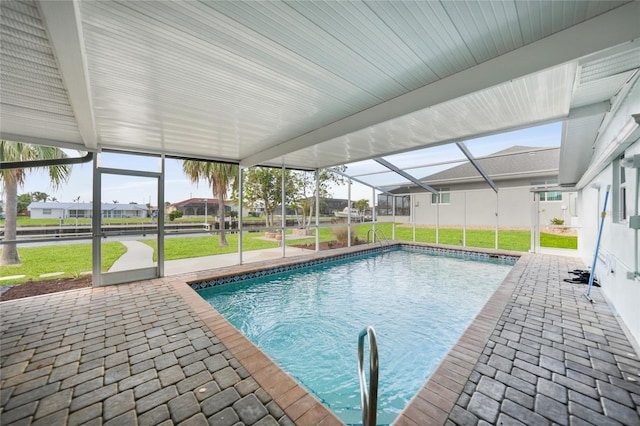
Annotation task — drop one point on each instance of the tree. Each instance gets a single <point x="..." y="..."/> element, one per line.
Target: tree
<point x="263" y="188"/>
<point x="14" y="178"/>
<point x="361" y="205"/>
<point x="219" y="177"/>
<point x="39" y="196"/>
<point x="23" y="203"/>
<point x="305" y="194"/>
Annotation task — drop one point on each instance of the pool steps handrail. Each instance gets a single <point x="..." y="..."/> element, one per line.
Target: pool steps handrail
<point x="381" y="236"/>
<point x="369" y="397"/>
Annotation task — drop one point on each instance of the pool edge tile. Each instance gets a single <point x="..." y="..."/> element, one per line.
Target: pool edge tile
<point x="472" y="341"/>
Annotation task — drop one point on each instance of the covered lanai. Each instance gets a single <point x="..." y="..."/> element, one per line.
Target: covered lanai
<point x="315" y="84"/>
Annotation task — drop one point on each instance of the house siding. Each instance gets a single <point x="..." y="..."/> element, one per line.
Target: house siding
<point x="477" y="208"/>
<point x="617" y="255"/>
<point x="55" y="214"/>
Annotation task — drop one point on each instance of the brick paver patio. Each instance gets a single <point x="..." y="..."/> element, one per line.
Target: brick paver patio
<point x="153" y="352"/>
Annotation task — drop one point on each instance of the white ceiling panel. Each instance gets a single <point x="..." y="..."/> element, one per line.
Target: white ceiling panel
<point x="538" y="19"/>
<point x="488" y="29"/>
<point x="503" y="107"/>
<point x="35" y="102"/>
<point x="304" y="83"/>
<point x="428" y="31"/>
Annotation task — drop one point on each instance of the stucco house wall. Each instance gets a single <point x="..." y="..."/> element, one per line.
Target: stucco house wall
<point x="478" y="207"/>
<point x="44" y="213"/>
<point x="470" y="201"/>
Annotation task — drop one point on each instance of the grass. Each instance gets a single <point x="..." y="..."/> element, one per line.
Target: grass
<point x="76" y="258"/>
<point x="188" y="247"/>
<point x="507" y="240"/>
<point x="72" y="259"/>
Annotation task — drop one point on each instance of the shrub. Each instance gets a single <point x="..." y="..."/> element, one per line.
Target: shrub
<point x="174" y="215"/>
<point x="342" y="234"/>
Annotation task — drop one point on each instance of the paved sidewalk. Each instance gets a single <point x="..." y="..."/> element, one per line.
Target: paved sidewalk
<point x="138" y="255"/>
<point x="185" y="266"/>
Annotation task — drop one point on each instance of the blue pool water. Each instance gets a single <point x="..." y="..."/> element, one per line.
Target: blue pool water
<point x="308" y="321"/>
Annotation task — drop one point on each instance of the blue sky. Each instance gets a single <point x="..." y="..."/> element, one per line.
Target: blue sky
<point x="178" y="187"/>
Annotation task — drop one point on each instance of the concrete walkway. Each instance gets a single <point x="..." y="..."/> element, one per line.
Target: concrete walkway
<point x="185" y="266"/>
<point x="138" y="255"/>
<point x="155" y="353"/>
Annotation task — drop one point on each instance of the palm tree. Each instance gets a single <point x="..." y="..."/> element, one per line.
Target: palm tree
<point x="219" y="177"/>
<point x="14" y="178"/>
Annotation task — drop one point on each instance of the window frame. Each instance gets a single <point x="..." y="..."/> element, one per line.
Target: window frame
<point x="443" y="197"/>
<point x="619" y="192"/>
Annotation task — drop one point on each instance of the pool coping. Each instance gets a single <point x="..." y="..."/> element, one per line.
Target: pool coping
<point x="438" y="395"/>
<point x="434" y="400"/>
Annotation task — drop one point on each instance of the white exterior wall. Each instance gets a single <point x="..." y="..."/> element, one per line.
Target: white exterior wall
<point x="478" y="208"/>
<point x="617" y="255"/>
<point x="55" y="214"/>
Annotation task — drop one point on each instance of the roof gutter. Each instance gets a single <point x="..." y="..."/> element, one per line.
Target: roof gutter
<point x="46" y="163"/>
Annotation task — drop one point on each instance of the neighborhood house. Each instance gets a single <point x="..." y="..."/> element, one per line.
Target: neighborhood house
<point x="51" y="210"/>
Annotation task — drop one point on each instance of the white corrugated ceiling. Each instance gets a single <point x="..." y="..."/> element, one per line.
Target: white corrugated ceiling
<point x="302" y="83"/>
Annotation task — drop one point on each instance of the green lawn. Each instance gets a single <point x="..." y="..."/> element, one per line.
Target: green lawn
<point x="72" y="259"/>
<point x="76" y="258"/>
<point x="507" y="240"/>
<point x="188" y="247"/>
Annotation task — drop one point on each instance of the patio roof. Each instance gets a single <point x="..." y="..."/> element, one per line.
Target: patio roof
<point x="309" y="84"/>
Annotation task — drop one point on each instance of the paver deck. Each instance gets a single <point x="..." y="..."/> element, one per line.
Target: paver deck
<point x="154" y="352"/>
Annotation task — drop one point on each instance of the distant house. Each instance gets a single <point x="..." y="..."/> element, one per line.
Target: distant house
<point x="466" y="198"/>
<point x="54" y="210"/>
<point x="201" y="207"/>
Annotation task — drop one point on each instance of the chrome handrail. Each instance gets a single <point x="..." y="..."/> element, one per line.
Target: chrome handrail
<point x="369" y="396"/>
<point x="376" y="233"/>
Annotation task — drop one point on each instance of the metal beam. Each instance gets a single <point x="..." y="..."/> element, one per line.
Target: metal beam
<point x="377" y="188"/>
<point x="405" y="175"/>
<point x="62" y="19"/>
<point x="573" y="43"/>
<point x="479" y="168"/>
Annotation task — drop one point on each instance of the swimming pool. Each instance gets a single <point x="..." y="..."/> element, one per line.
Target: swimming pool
<point x="308" y="320"/>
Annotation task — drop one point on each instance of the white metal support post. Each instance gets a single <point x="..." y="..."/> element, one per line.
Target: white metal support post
<point x="317" y="210"/>
<point x="464" y="221"/>
<point x="240" y="212"/>
<point x="535" y="223"/>
<point x="497" y="219"/>
<point x="412" y="198"/>
<point x="284" y="211"/>
<point x="374" y="216"/>
<point x="349" y="213"/>
<point x="95" y="223"/>
<point x="160" y="222"/>
<point x="393" y="209"/>
<point x="438" y="198"/>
